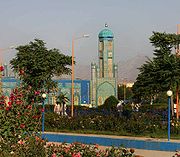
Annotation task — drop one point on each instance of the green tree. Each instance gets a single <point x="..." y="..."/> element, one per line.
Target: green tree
<point x="110" y="103"/>
<point x="163" y="71"/>
<point x="37" y="65"/>
<point x="61" y="99"/>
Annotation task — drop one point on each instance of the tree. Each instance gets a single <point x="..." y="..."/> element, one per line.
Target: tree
<point x="163" y="71"/>
<point x="110" y="103"/>
<point x="36" y="65"/>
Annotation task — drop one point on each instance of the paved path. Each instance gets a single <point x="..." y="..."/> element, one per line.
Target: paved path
<point x="153" y="153"/>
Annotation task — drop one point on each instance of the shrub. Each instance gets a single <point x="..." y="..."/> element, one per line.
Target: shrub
<point x="110" y="103"/>
<point x="81" y="150"/>
<point x="20" y="117"/>
<point x="30" y="146"/>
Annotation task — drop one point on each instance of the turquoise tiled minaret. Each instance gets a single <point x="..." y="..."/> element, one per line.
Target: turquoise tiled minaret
<point x="104" y="75"/>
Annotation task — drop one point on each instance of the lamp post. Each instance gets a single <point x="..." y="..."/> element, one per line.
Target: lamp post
<point x="43" y="110"/>
<point x="72" y="75"/>
<point x="169" y="94"/>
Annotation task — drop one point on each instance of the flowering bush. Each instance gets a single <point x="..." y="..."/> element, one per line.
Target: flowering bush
<point x="34" y="146"/>
<point x="81" y="150"/>
<point x="19" y="116"/>
<point x="30" y="146"/>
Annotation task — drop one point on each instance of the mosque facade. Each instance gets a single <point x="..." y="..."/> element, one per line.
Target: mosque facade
<point x="104" y="74"/>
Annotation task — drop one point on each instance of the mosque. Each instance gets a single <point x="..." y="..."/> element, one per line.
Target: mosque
<point x="94" y="92"/>
<point x="104" y="75"/>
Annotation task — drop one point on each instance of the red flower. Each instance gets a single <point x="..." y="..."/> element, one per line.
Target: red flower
<point x="36" y="117"/>
<point x="10" y="103"/>
<point x="18" y="102"/>
<point x="7" y="108"/>
<point x="22" y="126"/>
<point x="1" y="68"/>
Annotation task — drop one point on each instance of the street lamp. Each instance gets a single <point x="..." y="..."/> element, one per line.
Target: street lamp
<point x="72" y="75"/>
<point x="43" y="110"/>
<point x="169" y="94"/>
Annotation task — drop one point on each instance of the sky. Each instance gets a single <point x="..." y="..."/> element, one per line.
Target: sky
<point x="58" y="21"/>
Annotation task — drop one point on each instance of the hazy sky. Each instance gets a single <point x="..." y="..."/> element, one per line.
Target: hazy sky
<point x="57" y="21"/>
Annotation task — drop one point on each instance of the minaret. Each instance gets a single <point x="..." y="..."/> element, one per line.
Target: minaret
<point x="93" y="83"/>
<point x="106" y="53"/>
<point x="104" y="75"/>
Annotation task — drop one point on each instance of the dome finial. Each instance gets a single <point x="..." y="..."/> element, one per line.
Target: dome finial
<point x="106" y="25"/>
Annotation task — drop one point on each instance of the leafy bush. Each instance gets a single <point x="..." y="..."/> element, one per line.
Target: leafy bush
<point x="110" y="103"/>
<point x="30" y="146"/>
<point x="20" y="118"/>
<point x="134" y="123"/>
<point x="81" y="150"/>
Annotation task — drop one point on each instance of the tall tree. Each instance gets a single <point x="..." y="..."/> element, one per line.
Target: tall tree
<point x="37" y="65"/>
<point x="163" y="71"/>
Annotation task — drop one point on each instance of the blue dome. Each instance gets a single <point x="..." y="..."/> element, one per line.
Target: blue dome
<point x="106" y="33"/>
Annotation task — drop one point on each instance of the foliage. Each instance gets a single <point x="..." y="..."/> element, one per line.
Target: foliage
<point x="36" y="147"/>
<point x="36" y="65"/>
<point x="110" y="103"/>
<point x="149" y="121"/>
<point x="20" y="118"/>
<point x="81" y="150"/>
<point x="30" y="146"/>
<point x="61" y="99"/>
<point x="162" y="72"/>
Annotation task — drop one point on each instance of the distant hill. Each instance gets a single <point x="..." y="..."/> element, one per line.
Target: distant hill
<point x="126" y="69"/>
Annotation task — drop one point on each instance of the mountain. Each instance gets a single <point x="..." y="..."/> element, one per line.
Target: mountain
<point x="127" y="69"/>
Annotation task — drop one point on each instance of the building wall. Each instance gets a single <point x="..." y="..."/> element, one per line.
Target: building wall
<point x="9" y="83"/>
<point x="81" y="89"/>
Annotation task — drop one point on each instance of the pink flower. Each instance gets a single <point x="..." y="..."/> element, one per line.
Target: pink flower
<point x="76" y="155"/>
<point x="42" y="110"/>
<point x="66" y="149"/>
<point x="21" y="142"/>
<point x="37" y="92"/>
<point x="29" y="107"/>
<point x="53" y="155"/>
<point x="96" y="146"/>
